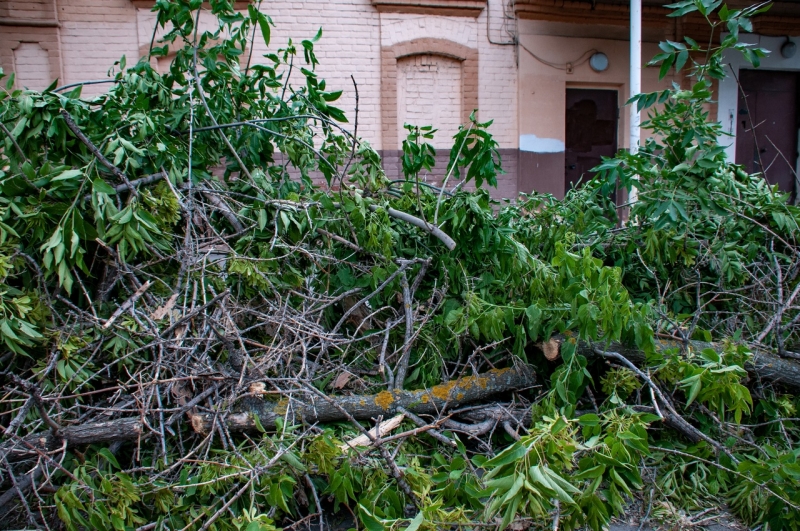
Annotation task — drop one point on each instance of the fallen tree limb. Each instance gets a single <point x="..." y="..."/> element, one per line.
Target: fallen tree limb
<point x="96" y="152"/>
<point x="672" y="417"/>
<point x="433" y="230"/>
<point x="378" y="433"/>
<point x="124" y="429"/>
<point x="430" y="228"/>
<point x="429" y="401"/>
<point x="194" y="313"/>
<point x="127" y="304"/>
<point x="434" y="400"/>
<point x="433" y="432"/>
<point x="222" y="207"/>
<point x="16" y="491"/>
<point x="136" y="183"/>
<point x="763" y="365"/>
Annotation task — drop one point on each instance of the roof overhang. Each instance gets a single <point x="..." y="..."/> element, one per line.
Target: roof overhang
<point x="783" y="18"/>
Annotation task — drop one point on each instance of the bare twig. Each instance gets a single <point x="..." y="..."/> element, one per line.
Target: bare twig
<point x="125" y="306"/>
<point x="408" y="301"/>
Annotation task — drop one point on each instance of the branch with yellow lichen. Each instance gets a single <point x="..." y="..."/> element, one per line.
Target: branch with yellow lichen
<point x="435" y="400"/>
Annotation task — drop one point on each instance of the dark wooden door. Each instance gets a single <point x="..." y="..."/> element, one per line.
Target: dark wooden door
<point x="766" y="131"/>
<point x="591" y="132"/>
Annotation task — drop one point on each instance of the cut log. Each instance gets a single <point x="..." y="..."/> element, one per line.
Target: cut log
<point x="124" y="429"/>
<point x="550" y="348"/>
<point x="763" y="365"/>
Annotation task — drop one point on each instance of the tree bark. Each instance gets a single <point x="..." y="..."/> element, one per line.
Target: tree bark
<point x="12" y="494"/>
<point x="763" y="365"/>
<point x="124" y="429"/>
<point x="434" y="400"/>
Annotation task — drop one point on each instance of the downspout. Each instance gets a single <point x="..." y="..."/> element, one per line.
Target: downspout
<point x="635" y="80"/>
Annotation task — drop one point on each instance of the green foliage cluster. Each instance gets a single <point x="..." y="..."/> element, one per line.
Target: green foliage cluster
<point x="254" y="141"/>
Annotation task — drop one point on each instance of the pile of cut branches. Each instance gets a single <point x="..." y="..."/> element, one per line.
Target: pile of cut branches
<point x="218" y="313"/>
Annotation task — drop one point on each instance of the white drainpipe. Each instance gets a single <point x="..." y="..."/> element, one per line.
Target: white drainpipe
<point x="636" y="77"/>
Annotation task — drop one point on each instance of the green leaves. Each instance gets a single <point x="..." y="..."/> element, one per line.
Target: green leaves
<point x="417" y="154"/>
<point x="476" y="151"/>
<point x="69" y="174"/>
<point x="521" y="272"/>
<point x="101" y="187"/>
<point x="539" y="469"/>
<point x="714" y="380"/>
<point x="263" y="21"/>
<point x="675" y="54"/>
<point x="16" y="329"/>
<point x="518" y="479"/>
<point x="534" y="321"/>
<point x="682" y="8"/>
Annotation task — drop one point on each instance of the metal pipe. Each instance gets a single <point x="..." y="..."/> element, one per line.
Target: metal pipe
<point x="636" y="78"/>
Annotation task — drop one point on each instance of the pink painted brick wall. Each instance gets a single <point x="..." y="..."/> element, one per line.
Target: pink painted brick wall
<point x="27" y="9"/>
<point x="95" y="34"/>
<point x="32" y="63"/>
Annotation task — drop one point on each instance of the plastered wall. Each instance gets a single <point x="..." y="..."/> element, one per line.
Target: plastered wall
<point x="553" y="57"/>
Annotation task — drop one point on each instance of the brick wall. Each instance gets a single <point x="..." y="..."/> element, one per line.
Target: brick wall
<point x="33" y="52"/>
<point x="38" y="10"/>
<point x="32" y="64"/>
<point x="94" y="37"/>
<point x="416" y="67"/>
<point x="429" y="93"/>
<point x="498" y="74"/>
<point x="506" y="183"/>
<point x="350" y="46"/>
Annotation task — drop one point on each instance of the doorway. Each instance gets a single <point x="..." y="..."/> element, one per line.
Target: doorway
<point x="766" y="129"/>
<point x="591" y="134"/>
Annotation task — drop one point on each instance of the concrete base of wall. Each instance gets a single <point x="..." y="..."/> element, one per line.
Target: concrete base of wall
<point x="541" y="172"/>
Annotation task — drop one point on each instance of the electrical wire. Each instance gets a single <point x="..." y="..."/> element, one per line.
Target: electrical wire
<point x="489" y="24"/>
<point x="579" y="61"/>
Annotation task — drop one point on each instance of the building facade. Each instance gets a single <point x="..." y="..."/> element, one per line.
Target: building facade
<point x="551" y="74"/>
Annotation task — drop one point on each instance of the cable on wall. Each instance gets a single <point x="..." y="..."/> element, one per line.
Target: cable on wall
<point x="514" y="38"/>
<point x="562" y="66"/>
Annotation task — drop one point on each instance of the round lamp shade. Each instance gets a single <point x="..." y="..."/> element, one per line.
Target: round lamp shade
<point x="599" y="62"/>
<point x="788" y="49"/>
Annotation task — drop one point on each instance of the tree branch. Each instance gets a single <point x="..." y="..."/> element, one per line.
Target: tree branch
<point x="96" y="152"/>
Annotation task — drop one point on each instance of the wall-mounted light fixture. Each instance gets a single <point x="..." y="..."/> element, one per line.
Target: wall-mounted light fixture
<point x="788" y="49"/>
<point x="599" y="62"/>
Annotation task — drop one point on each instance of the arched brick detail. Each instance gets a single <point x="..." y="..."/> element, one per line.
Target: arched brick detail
<point x="45" y="37"/>
<point x="389" y="56"/>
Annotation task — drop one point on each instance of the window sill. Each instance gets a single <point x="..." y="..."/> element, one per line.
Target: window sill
<point x="458" y="8"/>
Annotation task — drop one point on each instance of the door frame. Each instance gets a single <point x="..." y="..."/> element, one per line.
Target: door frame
<point x="620" y="137"/>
